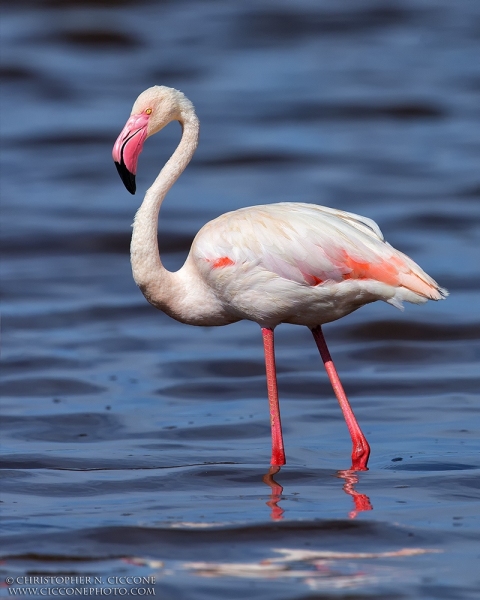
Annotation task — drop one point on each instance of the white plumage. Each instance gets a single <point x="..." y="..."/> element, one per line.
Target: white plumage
<point x="303" y="264"/>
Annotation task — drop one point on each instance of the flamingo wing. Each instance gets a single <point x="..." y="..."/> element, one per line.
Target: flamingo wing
<point x="310" y="245"/>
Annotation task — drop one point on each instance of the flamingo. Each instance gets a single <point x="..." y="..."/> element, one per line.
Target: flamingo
<point x="277" y="263"/>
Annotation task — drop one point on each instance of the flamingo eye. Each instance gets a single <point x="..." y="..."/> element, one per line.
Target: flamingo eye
<point x="148" y="111"/>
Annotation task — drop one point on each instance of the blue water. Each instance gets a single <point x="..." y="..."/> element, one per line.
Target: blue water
<point x="135" y="445"/>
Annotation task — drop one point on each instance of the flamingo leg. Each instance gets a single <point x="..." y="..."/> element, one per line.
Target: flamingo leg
<point x="278" y="453"/>
<point x="361" y="449"/>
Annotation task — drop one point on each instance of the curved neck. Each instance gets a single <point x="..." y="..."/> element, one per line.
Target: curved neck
<point x="156" y="283"/>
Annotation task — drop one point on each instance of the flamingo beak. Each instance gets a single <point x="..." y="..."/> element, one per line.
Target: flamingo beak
<point x="127" y="149"/>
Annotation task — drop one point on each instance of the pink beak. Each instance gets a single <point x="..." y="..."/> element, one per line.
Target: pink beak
<point x="127" y="149"/>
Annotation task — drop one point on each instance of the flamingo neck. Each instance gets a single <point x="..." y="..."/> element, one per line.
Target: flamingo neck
<point x="157" y="284"/>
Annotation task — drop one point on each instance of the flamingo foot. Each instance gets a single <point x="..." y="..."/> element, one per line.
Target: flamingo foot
<point x="360" y="455"/>
<point x="278" y="457"/>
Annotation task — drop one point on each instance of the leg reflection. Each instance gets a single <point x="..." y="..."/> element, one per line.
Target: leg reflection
<point x="362" y="502"/>
<point x="276" y="496"/>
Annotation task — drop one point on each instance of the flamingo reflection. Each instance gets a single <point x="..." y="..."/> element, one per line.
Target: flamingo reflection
<point x="361" y="501"/>
<point x="276" y="495"/>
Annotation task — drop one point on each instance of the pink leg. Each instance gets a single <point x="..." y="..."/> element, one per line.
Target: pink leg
<point x="278" y="453"/>
<point x="361" y="449"/>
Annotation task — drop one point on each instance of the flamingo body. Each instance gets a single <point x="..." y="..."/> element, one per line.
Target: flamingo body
<point x="277" y="263"/>
<point x="303" y="264"/>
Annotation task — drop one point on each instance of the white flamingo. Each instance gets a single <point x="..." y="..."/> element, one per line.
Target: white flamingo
<point x="277" y="263"/>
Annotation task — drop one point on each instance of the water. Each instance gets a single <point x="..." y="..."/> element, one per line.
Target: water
<point x="134" y="445"/>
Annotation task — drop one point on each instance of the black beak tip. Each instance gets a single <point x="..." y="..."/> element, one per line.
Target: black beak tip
<point x="127" y="177"/>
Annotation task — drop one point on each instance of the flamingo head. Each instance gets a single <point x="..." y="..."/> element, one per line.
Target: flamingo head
<point x="152" y="110"/>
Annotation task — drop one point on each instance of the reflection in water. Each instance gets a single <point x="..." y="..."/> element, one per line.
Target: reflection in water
<point x="315" y="569"/>
<point x="277" y="491"/>
<point x="362" y="501"/>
